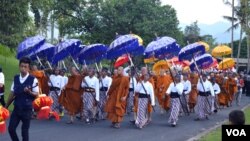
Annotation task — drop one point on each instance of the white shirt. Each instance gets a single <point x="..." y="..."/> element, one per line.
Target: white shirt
<point x="105" y="82"/>
<point x="125" y="71"/>
<point x="216" y="88"/>
<point x="131" y="82"/>
<point x="207" y="85"/>
<point x="175" y="88"/>
<point x="22" y="79"/>
<point x="187" y="86"/>
<point x="1" y="78"/>
<point x="56" y="80"/>
<point x="65" y="81"/>
<point x="149" y="89"/>
<point x="93" y="83"/>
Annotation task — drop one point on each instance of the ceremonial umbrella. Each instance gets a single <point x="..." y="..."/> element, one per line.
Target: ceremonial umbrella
<point x="221" y="50"/>
<point x="226" y="64"/>
<point x="160" y="65"/>
<point x="189" y="52"/>
<point x="203" y="62"/>
<point x="29" y="45"/>
<point x="138" y="38"/>
<point x="205" y="45"/>
<point x="124" y="44"/>
<point x="64" y="49"/>
<point x="175" y="61"/>
<point x="215" y="63"/>
<point x="4" y="115"/>
<point x="46" y="51"/>
<point x="121" y="60"/>
<point x="93" y="53"/>
<point x="162" y="48"/>
<point x="150" y="60"/>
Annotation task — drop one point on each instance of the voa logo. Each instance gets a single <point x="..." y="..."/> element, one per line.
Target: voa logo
<point x="236" y="132"/>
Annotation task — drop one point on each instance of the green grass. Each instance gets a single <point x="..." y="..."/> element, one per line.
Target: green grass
<point x="9" y="65"/>
<point x="215" y="135"/>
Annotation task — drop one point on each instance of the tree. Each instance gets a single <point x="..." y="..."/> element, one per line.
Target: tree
<point x="42" y="11"/>
<point x="15" y="22"/>
<point x="239" y="20"/>
<point x="192" y="32"/>
<point x="99" y="20"/>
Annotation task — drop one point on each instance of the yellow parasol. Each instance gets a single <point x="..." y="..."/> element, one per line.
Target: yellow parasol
<point x="160" y="65"/>
<point x="226" y="64"/>
<point x="139" y="39"/>
<point x="204" y="44"/>
<point x="150" y="60"/>
<point x="221" y="50"/>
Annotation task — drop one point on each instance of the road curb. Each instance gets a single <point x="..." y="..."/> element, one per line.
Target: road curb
<point x="197" y="137"/>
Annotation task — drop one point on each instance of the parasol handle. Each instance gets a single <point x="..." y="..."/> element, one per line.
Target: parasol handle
<point x="200" y="79"/>
<point x="49" y="64"/>
<point x="97" y="67"/>
<point x="39" y="60"/>
<point x="75" y="63"/>
<point x="132" y="65"/>
<point x="101" y="65"/>
<point x="64" y="66"/>
<point x="174" y="66"/>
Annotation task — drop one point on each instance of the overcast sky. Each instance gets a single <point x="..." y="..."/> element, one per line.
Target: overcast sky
<point x="205" y="11"/>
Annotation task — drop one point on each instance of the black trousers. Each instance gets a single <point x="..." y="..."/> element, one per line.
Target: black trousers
<point x="2" y="100"/>
<point x="17" y="116"/>
<point x="247" y="88"/>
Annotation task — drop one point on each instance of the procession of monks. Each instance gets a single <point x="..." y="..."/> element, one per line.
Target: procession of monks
<point x="91" y="96"/>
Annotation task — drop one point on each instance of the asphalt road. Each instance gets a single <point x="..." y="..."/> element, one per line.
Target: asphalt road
<point x="158" y="130"/>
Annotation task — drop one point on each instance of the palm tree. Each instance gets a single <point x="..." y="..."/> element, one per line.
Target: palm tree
<point x="238" y="20"/>
<point x="232" y="21"/>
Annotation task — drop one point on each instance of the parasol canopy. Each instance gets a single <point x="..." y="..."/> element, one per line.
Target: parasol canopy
<point x="221" y="50"/>
<point x="203" y="62"/>
<point x="29" y="45"/>
<point x="176" y="61"/>
<point x="191" y="51"/>
<point x="124" y="44"/>
<point x="160" y="65"/>
<point x="121" y="60"/>
<point x="207" y="48"/>
<point x="46" y="51"/>
<point x="227" y="63"/>
<point x="64" y="49"/>
<point x="162" y="48"/>
<point x="93" y="53"/>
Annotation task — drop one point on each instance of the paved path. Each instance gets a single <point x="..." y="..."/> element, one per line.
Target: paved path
<point x="159" y="130"/>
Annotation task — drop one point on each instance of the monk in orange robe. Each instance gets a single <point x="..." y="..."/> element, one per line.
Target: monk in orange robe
<point x="70" y="97"/>
<point x="162" y="84"/>
<point x="232" y="88"/>
<point x="194" y="78"/>
<point x="117" y="98"/>
<point x="222" y="96"/>
<point x="42" y="80"/>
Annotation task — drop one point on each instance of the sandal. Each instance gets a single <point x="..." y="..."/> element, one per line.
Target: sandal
<point x="69" y="122"/>
<point x="117" y="126"/>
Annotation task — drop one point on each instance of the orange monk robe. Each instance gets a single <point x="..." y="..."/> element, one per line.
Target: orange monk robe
<point x="161" y="87"/>
<point x="194" y="78"/>
<point x="223" y="95"/>
<point x="42" y="81"/>
<point x="70" y="97"/>
<point x="232" y="88"/>
<point x="114" y="107"/>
